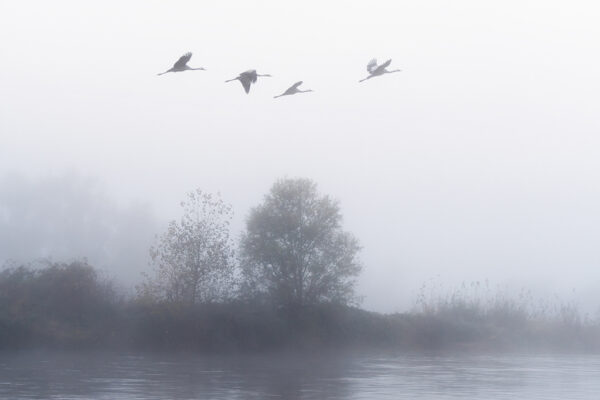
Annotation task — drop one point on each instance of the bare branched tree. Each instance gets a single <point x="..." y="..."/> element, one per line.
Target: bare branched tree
<point x="193" y="259"/>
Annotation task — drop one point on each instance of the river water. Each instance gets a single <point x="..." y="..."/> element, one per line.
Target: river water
<point x="298" y="377"/>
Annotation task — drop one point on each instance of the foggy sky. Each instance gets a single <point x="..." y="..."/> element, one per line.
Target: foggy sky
<point x="68" y="217"/>
<point x="478" y="161"/>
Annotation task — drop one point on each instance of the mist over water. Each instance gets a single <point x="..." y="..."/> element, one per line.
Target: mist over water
<point x="326" y="376"/>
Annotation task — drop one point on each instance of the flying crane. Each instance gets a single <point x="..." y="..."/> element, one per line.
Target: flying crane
<point x="293" y="90"/>
<point x="247" y="78"/>
<point x="181" y="65"/>
<point x="378" y="70"/>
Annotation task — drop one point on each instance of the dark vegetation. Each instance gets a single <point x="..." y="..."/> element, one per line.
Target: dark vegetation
<point x="290" y="287"/>
<point x="56" y="305"/>
<point x="70" y="306"/>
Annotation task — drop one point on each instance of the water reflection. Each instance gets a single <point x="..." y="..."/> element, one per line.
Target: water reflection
<point x="287" y="377"/>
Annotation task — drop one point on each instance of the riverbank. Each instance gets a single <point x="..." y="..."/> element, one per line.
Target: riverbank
<point x="71" y="308"/>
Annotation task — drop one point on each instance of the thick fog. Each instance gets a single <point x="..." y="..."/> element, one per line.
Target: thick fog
<point x="478" y="161"/>
<point x="69" y="217"/>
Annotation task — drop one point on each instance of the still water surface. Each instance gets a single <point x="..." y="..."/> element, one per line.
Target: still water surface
<point x="287" y="377"/>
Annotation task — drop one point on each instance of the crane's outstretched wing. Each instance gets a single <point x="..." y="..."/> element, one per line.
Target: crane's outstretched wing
<point x="380" y="68"/>
<point x="295" y="85"/>
<point x="183" y="60"/>
<point x="245" y="81"/>
<point x="372" y="65"/>
<point x="386" y="64"/>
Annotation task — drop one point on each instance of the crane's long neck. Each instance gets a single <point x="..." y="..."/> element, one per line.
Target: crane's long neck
<point x="162" y="73"/>
<point x="394" y="70"/>
<point x="198" y="69"/>
<point x="305" y="91"/>
<point x="231" y="80"/>
<point x="264" y="75"/>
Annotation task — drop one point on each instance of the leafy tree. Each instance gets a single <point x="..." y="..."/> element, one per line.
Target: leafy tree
<point x="295" y="250"/>
<point x="193" y="259"/>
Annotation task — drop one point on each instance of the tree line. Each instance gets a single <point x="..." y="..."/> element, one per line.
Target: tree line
<point x="287" y="283"/>
<point x="290" y="278"/>
<point x="293" y="252"/>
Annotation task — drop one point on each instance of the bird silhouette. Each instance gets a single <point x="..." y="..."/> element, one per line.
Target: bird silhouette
<point x="247" y="78"/>
<point x="293" y="90"/>
<point x="181" y="65"/>
<point x="378" y="70"/>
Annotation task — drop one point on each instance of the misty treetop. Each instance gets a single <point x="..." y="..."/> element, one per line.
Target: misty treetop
<point x="295" y="250"/>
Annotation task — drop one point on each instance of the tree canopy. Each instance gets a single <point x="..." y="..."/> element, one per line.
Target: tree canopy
<point x="294" y="248"/>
